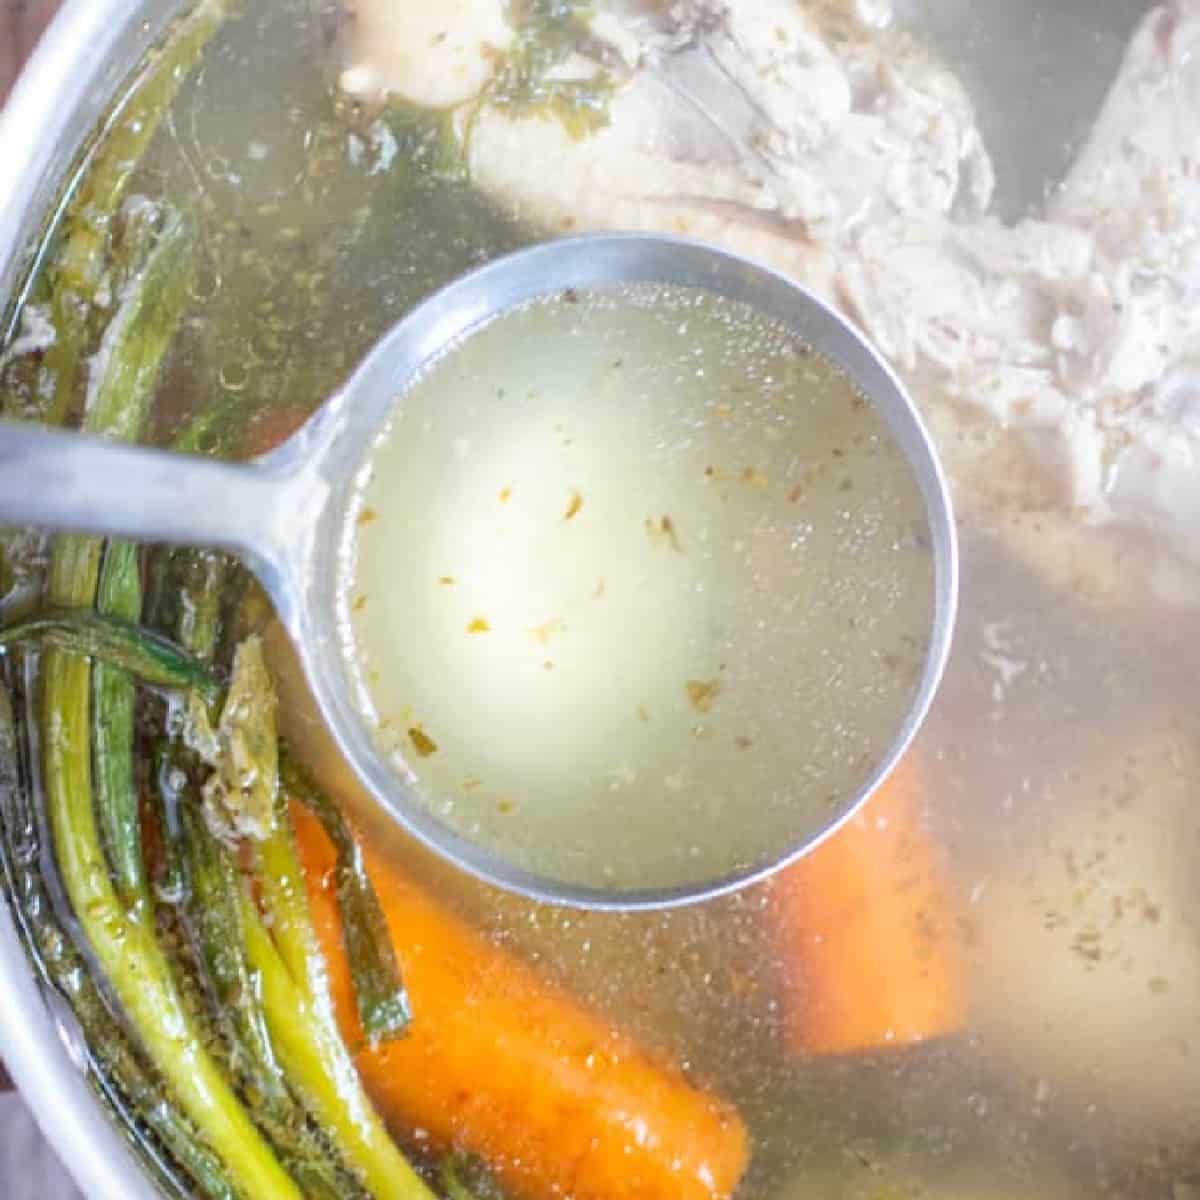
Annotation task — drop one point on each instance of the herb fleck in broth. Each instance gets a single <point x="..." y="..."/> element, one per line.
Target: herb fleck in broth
<point x="692" y="596"/>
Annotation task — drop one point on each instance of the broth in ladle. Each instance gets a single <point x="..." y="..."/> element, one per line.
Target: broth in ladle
<point x="638" y="589"/>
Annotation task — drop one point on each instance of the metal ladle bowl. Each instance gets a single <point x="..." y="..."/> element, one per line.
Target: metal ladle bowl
<point x="283" y="514"/>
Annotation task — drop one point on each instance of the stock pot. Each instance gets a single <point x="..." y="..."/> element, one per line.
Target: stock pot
<point x="61" y="93"/>
<point x="1037" y="73"/>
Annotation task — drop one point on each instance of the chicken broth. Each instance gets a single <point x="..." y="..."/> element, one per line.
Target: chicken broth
<point x="639" y="589"/>
<point x="987" y="988"/>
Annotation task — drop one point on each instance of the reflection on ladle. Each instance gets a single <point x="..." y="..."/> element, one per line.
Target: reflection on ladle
<point x="290" y="515"/>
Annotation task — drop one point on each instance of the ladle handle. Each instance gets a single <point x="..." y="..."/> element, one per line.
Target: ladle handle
<point x="72" y="482"/>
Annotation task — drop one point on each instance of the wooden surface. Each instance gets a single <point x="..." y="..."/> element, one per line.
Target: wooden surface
<point x="21" y="24"/>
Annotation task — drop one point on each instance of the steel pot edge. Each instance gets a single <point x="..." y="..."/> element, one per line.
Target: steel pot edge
<point x="64" y="89"/>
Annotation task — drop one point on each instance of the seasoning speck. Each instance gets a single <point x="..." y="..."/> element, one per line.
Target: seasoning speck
<point x="573" y="506"/>
<point x="367" y="516"/>
<point x="663" y="532"/>
<point x="505" y="495"/>
<point x="423" y="744"/>
<point x="446" y="580"/>
<point x="479" y="625"/>
<point x="548" y="629"/>
<point x="702" y="693"/>
<point x="360" y="602"/>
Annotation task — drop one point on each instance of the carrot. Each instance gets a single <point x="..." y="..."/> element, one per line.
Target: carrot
<point x="272" y="427"/>
<point x="864" y="928"/>
<point x="499" y="1063"/>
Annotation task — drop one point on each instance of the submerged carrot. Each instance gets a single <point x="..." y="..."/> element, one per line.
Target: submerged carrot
<point x="272" y="427"/>
<point x="499" y="1063"/>
<point x="865" y="930"/>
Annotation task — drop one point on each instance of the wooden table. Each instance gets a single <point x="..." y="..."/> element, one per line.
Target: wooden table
<point x="21" y="24"/>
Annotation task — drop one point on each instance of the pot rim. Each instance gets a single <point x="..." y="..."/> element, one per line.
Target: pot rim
<point x="60" y="92"/>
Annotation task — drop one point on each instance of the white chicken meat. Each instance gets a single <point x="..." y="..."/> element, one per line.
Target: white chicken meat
<point x="1086" y="966"/>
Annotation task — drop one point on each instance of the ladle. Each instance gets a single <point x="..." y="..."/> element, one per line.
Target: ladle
<point x="283" y="514"/>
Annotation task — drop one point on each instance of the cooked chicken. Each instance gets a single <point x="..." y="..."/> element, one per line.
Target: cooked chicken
<point x="1129" y="334"/>
<point x="1086" y="961"/>
<point x="1051" y="358"/>
<point x="749" y="125"/>
<point x="429" y="55"/>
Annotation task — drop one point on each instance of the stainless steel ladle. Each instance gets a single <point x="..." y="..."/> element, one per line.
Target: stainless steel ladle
<point x="283" y="514"/>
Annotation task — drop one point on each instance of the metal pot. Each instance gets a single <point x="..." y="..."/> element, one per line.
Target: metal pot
<point x="1034" y="86"/>
<point x="88" y="49"/>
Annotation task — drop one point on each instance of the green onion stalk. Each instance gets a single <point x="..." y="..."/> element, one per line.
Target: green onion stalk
<point x="83" y="274"/>
<point x="112" y="638"/>
<point x="81" y="268"/>
<point x="379" y="993"/>
<point x="118" y="1064"/>
<point x="283" y="950"/>
<point x="215" y="920"/>
<point x="122" y="935"/>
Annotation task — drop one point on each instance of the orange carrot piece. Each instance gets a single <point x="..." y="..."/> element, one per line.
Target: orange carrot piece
<point x="501" y="1064"/>
<point x="864" y="927"/>
<point x="272" y="427"/>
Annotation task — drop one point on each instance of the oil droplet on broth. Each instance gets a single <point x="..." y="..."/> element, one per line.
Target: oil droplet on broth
<point x="691" y="596"/>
